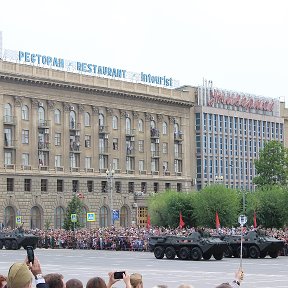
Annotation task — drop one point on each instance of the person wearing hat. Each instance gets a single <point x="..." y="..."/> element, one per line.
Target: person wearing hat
<point x="20" y="275"/>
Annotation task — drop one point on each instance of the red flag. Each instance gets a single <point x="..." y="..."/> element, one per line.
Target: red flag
<point x="148" y="222"/>
<point x="217" y="221"/>
<point x="181" y="222"/>
<point x="255" y="220"/>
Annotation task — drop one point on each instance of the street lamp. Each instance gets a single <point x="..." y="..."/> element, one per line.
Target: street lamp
<point x="110" y="174"/>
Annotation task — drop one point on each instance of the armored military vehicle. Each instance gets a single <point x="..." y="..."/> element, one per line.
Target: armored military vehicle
<point x="255" y="245"/>
<point x="16" y="239"/>
<point x="194" y="247"/>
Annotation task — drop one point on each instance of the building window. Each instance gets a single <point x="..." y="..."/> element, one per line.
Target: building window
<point x="59" y="217"/>
<point x="57" y="116"/>
<point x="60" y="185"/>
<point x="25" y="112"/>
<point x="140" y="125"/>
<point x="9" y="218"/>
<point x="90" y="185"/>
<point x="87" y="119"/>
<point x="118" y="186"/>
<point x="58" y="160"/>
<point x="141" y="145"/>
<point x="131" y="187"/>
<point x="25" y="136"/>
<point x="8" y="137"/>
<point x="124" y="217"/>
<point x="72" y="120"/>
<point x="167" y="186"/>
<point x="141" y="165"/>
<point x="155" y="187"/>
<point x="103" y="219"/>
<point x="115" y="143"/>
<point x="57" y="139"/>
<point x="10" y="184"/>
<point x="115" y="122"/>
<point x="44" y="185"/>
<point x="104" y="186"/>
<point x="27" y="185"/>
<point x="101" y="120"/>
<point x="115" y="163"/>
<point x="75" y="186"/>
<point x="143" y="187"/>
<point x="88" y="162"/>
<point x="165" y="147"/>
<point x="41" y="116"/>
<point x="128" y="126"/>
<point x="35" y="218"/>
<point x="179" y="187"/>
<point x="87" y="141"/>
<point x="8" y="112"/>
<point x="8" y="158"/>
<point x="164" y="128"/>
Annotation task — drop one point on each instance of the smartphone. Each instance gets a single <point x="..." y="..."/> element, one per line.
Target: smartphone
<point x="30" y="254"/>
<point x="119" y="275"/>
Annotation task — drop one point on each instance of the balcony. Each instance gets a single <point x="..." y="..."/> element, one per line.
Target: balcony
<point x="178" y="155"/>
<point x="26" y="167"/>
<point x="10" y="144"/>
<point x="142" y="172"/>
<point x="166" y="173"/>
<point x="9" y="120"/>
<point x="155" y="154"/>
<point x="103" y="129"/>
<point x="178" y="136"/>
<point x="178" y="173"/>
<point x="130" y="132"/>
<point x="130" y="152"/>
<point x="89" y="170"/>
<point x="156" y="173"/>
<point x="74" y="169"/>
<point x="59" y="169"/>
<point x="44" y="124"/>
<point x="103" y="150"/>
<point x="74" y="147"/>
<point x="43" y="145"/>
<point x="9" y="166"/>
<point x="74" y="126"/>
<point x="43" y="168"/>
<point x="154" y="133"/>
<point x="130" y="171"/>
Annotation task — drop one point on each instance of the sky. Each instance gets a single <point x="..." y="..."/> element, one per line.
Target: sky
<point x="239" y="45"/>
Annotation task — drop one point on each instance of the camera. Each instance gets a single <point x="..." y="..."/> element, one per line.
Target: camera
<point x="119" y="275"/>
<point x="30" y="254"/>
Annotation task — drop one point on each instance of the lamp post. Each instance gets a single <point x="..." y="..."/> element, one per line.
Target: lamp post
<point x="110" y="174"/>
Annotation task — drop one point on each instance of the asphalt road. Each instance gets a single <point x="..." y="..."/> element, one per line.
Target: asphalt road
<point x="84" y="264"/>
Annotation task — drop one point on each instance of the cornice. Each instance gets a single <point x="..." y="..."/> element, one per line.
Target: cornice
<point x="41" y="82"/>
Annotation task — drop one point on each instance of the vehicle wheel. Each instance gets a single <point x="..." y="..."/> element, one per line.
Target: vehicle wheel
<point x="7" y="244"/>
<point x="218" y="255"/>
<point x="254" y="252"/>
<point x="263" y="254"/>
<point x="14" y="245"/>
<point x="170" y="253"/>
<point x="244" y="252"/>
<point x="273" y="254"/>
<point x="184" y="253"/>
<point x="206" y="256"/>
<point x="159" y="252"/>
<point x="196" y="254"/>
<point x="228" y="253"/>
<point x="1" y="244"/>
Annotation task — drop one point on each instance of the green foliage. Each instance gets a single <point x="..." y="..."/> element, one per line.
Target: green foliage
<point x="269" y="203"/>
<point x="272" y="165"/>
<point x="164" y="208"/>
<point x="74" y="207"/>
<point x="218" y="198"/>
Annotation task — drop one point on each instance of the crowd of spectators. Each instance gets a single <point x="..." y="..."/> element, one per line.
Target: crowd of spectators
<point x="130" y="238"/>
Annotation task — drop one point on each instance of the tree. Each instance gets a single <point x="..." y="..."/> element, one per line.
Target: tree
<point x="217" y="198"/>
<point x="164" y="208"/>
<point x="74" y="207"/>
<point x="272" y="165"/>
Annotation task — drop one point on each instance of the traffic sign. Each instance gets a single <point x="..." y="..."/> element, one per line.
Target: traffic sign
<point x="91" y="217"/>
<point x="242" y="220"/>
<point x="74" y="218"/>
<point x="18" y="219"/>
<point x="116" y="215"/>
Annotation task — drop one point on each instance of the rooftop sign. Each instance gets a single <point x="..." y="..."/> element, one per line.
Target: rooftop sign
<point x="92" y="69"/>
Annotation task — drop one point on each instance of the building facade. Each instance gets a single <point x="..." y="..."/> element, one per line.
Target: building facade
<point x="111" y="142"/>
<point x="231" y="129"/>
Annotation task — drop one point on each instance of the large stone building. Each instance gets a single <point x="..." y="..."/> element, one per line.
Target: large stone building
<point x="61" y="133"/>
